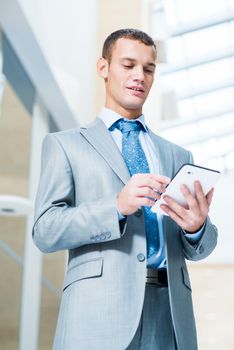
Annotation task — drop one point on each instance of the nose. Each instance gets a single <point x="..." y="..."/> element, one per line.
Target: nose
<point x="138" y="74"/>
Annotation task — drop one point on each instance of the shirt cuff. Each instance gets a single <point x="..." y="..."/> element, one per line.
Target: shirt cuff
<point x="194" y="238"/>
<point x="120" y="216"/>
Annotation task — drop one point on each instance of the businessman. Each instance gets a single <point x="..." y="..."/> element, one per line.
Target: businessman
<point x="126" y="285"/>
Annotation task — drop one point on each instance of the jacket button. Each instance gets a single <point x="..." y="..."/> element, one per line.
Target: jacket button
<point x="103" y="236"/>
<point x="108" y="235"/>
<point x="138" y="213"/>
<point x="141" y="257"/>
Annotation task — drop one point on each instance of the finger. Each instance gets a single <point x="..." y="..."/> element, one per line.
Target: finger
<point x="144" y="202"/>
<point x="209" y="196"/>
<point x="161" y="179"/>
<point x="155" y="185"/>
<point x="201" y="198"/>
<point x="152" y="180"/>
<point x="147" y="192"/>
<point x="173" y="215"/>
<point x="190" y="198"/>
<point x="188" y="223"/>
<point x="175" y="206"/>
<point x="199" y="193"/>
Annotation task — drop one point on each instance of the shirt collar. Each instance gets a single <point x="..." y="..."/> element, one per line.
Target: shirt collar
<point x="109" y="117"/>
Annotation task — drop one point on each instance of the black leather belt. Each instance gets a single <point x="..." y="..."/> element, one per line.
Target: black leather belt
<point x="157" y="277"/>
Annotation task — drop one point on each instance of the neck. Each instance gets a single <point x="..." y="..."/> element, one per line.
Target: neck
<point x="125" y="113"/>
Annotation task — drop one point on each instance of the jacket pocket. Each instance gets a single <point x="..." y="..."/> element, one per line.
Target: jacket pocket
<point x="186" y="279"/>
<point x="87" y="269"/>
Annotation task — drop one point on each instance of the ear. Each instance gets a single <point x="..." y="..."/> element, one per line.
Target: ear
<point x="102" y="67"/>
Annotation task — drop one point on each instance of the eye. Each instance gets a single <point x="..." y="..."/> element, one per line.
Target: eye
<point x="149" y="70"/>
<point x="126" y="66"/>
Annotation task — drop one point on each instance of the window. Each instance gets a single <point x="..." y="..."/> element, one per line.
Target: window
<point x="200" y="69"/>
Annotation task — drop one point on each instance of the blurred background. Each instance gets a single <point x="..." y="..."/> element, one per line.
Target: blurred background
<point x="48" y="82"/>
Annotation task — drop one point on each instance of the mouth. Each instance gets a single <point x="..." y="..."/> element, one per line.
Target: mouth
<point x="136" y="88"/>
<point x="137" y="91"/>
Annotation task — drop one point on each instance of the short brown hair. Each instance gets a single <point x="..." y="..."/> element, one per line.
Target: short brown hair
<point x="134" y="34"/>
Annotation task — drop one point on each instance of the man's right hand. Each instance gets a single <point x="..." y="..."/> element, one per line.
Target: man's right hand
<point x="141" y="190"/>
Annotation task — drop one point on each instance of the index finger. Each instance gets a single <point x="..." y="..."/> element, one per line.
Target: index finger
<point x="156" y="182"/>
<point x="164" y="180"/>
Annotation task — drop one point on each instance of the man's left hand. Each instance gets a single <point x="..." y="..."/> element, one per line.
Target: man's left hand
<point x="191" y="218"/>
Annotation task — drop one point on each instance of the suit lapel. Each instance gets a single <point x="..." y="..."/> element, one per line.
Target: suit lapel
<point x="100" y="138"/>
<point x="164" y="155"/>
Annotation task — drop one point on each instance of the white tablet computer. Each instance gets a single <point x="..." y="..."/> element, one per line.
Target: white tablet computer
<point x="187" y="175"/>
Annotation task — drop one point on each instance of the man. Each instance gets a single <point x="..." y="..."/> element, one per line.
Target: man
<point x="127" y="285"/>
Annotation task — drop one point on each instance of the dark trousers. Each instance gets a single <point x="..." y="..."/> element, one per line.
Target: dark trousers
<point x="155" y="330"/>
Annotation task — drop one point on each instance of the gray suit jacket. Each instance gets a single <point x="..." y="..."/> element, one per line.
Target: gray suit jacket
<point x="82" y="171"/>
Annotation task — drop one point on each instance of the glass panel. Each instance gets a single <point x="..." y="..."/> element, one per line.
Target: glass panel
<point x="204" y="89"/>
<point x="231" y="32"/>
<point x="216" y="152"/>
<point x="202" y="77"/>
<point x="159" y="25"/>
<point x="229" y="161"/>
<point x="182" y="12"/>
<point x="178" y="81"/>
<point x="175" y="51"/>
<point x="207" y="42"/>
<point x="188" y="109"/>
<point x="215" y="102"/>
<point x="197" y="10"/>
<point x="230" y="5"/>
<point x="170" y="7"/>
<point x="200" y="134"/>
<point x="207" y="104"/>
<point x="212" y="74"/>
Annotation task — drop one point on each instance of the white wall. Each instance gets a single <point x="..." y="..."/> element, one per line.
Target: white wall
<point x="66" y="32"/>
<point x="2" y="81"/>
<point x="222" y="215"/>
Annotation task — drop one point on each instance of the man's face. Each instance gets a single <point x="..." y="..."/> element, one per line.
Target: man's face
<point x="129" y="76"/>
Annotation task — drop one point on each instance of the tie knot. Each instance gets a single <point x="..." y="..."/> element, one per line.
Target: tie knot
<point x="126" y="126"/>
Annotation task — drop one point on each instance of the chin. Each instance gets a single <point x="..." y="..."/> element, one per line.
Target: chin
<point x="133" y="104"/>
<point x="134" y="107"/>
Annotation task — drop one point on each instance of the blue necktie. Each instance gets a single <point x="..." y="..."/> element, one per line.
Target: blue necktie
<point x="136" y="162"/>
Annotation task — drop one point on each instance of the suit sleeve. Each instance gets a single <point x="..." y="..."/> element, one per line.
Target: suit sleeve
<point x="207" y="242"/>
<point x="59" y="224"/>
<point x="204" y="246"/>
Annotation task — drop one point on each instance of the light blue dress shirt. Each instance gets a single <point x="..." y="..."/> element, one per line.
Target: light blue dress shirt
<point x="109" y="118"/>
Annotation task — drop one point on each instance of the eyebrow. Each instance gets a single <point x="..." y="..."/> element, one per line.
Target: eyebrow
<point x="133" y="60"/>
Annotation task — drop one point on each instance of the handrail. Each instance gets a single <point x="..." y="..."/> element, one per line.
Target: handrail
<point x="19" y="260"/>
<point x="15" y="205"/>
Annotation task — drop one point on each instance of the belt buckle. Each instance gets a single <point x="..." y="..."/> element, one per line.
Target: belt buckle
<point x="158" y="277"/>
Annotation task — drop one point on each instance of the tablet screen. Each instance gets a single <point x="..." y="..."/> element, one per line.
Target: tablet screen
<point x="188" y="174"/>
